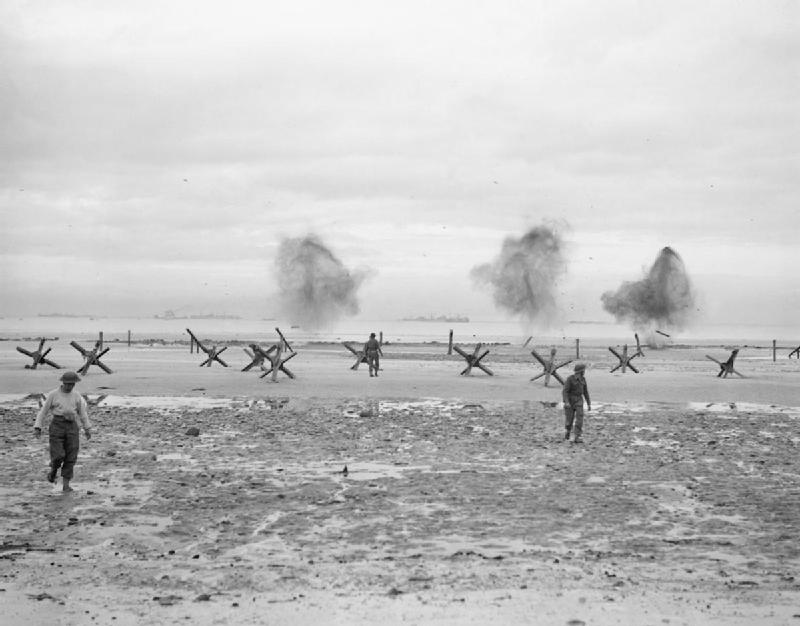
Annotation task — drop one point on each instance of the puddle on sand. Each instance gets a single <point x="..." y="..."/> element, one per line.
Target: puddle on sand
<point x="658" y="443"/>
<point x="177" y="456"/>
<point x="744" y="407"/>
<point x="355" y="471"/>
<point x="162" y="403"/>
<point x="429" y="404"/>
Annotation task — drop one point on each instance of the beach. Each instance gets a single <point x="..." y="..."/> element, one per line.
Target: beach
<point x="460" y="503"/>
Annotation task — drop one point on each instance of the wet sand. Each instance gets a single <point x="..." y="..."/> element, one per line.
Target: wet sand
<point x="461" y="503"/>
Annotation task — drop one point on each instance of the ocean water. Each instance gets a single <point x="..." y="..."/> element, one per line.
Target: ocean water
<point x="398" y="331"/>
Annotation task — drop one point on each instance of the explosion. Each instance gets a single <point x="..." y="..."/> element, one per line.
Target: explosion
<point x="315" y="288"/>
<point x="524" y="276"/>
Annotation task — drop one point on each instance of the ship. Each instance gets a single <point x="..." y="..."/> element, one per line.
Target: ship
<point x="453" y="319"/>
<point x="170" y="315"/>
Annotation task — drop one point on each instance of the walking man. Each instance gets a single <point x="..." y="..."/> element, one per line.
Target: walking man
<point x="575" y="390"/>
<point x="373" y="352"/>
<point x="68" y="411"/>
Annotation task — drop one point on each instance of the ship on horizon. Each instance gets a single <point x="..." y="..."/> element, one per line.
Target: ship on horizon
<point x="170" y="315"/>
<point x="457" y="319"/>
<point x="66" y="315"/>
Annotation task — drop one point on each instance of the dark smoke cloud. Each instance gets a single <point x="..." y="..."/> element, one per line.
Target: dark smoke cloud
<point x="315" y="288"/>
<point x="663" y="298"/>
<point x="524" y="277"/>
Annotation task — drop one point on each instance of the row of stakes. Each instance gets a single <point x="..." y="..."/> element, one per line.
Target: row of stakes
<point x="273" y="359"/>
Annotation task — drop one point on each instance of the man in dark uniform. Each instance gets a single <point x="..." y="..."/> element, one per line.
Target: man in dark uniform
<point x="373" y="352"/>
<point x="575" y="390"/>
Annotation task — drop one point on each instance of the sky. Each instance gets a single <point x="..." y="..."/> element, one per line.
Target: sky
<point x="156" y="154"/>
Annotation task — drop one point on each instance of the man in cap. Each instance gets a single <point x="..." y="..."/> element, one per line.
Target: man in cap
<point x="575" y="390"/>
<point x="373" y="352"/>
<point x="67" y="408"/>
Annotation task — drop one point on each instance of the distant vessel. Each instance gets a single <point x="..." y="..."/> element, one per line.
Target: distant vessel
<point x="458" y="319"/>
<point x="170" y="315"/>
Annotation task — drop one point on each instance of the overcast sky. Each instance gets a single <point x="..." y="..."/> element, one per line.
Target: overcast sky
<point x="155" y="154"/>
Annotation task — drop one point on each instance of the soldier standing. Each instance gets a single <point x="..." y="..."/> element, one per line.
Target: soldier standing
<point x="575" y="390"/>
<point x="373" y="352"/>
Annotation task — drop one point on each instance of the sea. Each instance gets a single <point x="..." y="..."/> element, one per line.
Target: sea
<point x="83" y="329"/>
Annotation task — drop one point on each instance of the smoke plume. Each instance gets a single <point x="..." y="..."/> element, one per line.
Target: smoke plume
<point x="523" y="278"/>
<point x="315" y="288"/>
<point x="663" y="298"/>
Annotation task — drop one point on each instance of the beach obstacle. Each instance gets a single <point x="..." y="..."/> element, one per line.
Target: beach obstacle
<point x="361" y="357"/>
<point x="212" y="353"/>
<point x="473" y="360"/>
<point x="39" y="356"/>
<point x="550" y="366"/>
<point x="257" y="356"/>
<point x="278" y="364"/>
<point x="638" y="346"/>
<point x="94" y="401"/>
<point x="283" y="339"/>
<point x="277" y="360"/>
<point x="92" y="357"/>
<point x="624" y="359"/>
<point x="38" y="396"/>
<point x="795" y="351"/>
<point x="726" y="367"/>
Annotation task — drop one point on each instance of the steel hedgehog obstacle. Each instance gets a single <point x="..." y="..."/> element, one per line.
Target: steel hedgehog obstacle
<point x="473" y="360"/>
<point x="92" y="357"/>
<point x="550" y="366"/>
<point x="212" y="353"/>
<point x="39" y="356"/>
<point x="726" y="367"/>
<point x="277" y="360"/>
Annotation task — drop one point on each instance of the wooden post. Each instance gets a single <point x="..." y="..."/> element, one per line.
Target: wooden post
<point x="276" y="363"/>
<point x="450" y="343"/>
<point x="285" y="344"/>
<point x="100" y="341"/>
<point x="527" y="341"/>
<point x="129" y="339"/>
<point x="577" y="348"/>
<point x="380" y="340"/>
<point x="774" y="348"/>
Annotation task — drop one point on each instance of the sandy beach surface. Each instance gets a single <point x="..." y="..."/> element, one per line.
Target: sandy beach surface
<point x="460" y="503"/>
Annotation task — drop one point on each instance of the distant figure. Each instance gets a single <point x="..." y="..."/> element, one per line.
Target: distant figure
<point x="68" y="410"/>
<point x="373" y="352"/>
<point x="575" y="390"/>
